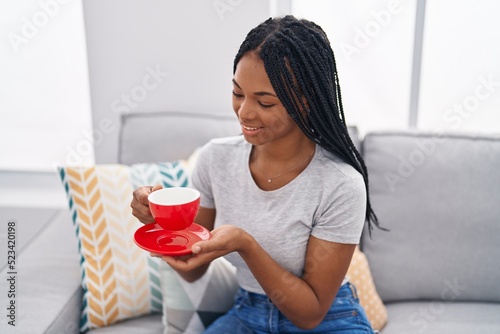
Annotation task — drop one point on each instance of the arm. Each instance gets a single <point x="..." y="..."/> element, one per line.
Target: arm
<point x="304" y="301"/>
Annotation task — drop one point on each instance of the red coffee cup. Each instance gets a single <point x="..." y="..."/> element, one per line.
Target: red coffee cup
<point x="174" y="208"/>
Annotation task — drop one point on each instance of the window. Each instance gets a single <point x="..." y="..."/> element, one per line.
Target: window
<point x="460" y="83"/>
<point x="45" y="117"/>
<point x="373" y="42"/>
<point x="373" y="45"/>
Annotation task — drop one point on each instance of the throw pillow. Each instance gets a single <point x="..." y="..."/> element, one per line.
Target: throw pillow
<point x="119" y="280"/>
<point x="360" y="275"/>
<point x="190" y="307"/>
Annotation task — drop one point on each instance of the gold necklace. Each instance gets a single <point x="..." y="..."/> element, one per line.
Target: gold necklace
<point x="270" y="179"/>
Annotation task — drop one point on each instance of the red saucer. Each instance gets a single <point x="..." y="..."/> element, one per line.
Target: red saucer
<point x="155" y="239"/>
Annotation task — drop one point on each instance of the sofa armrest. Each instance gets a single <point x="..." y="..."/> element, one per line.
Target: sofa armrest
<point x="48" y="290"/>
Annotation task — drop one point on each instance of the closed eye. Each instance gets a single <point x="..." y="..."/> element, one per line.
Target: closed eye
<point x="237" y="95"/>
<point x="263" y="105"/>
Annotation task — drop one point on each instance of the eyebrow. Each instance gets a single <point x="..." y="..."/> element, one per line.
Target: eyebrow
<point x="256" y="93"/>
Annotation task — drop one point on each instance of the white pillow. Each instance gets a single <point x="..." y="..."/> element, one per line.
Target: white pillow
<point x="190" y="307"/>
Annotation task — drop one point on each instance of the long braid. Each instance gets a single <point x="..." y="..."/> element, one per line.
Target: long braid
<point x="301" y="66"/>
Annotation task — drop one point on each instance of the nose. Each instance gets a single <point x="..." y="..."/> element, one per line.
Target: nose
<point x="245" y="111"/>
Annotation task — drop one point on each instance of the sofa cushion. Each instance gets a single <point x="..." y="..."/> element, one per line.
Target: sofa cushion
<point x="119" y="279"/>
<point x="439" y="316"/>
<point x="439" y="197"/>
<point x="169" y="136"/>
<point x="149" y="324"/>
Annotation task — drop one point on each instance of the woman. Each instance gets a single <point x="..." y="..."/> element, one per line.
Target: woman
<point x="287" y="201"/>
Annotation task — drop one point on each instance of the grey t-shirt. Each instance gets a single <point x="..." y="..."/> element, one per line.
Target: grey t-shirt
<point x="327" y="200"/>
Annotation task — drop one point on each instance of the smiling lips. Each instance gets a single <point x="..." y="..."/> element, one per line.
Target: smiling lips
<point x="248" y="128"/>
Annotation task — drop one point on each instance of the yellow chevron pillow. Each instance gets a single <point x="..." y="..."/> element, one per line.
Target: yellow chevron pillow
<point x="360" y="276"/>
<point x="119" y="280"/>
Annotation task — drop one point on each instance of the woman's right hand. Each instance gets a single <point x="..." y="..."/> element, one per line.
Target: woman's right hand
<point x="140" y="203"/>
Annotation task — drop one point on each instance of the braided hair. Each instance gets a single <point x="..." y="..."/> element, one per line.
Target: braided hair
<point x="300" y="64"/>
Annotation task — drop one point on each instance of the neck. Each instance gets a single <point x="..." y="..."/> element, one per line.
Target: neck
<point x="278" y="165"/>
<point x="282" y="153"/>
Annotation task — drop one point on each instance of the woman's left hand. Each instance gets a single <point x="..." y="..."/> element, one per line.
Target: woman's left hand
<point x="225" y="239"/>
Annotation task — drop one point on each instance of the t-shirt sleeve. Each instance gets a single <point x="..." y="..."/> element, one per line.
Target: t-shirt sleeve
<point x="341" y="219"/>
<point x="200" y="177"/>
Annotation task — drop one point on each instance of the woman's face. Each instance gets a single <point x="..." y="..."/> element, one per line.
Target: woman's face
<point x="261" y="114"/>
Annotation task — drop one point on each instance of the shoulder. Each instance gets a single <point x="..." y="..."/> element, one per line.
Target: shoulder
<point x="341" y="211"/>
<point x="339" y="181"/>
<point x="225" y="143"/>
<point x="219" y="150"/>
<point x="331" y="164"/>
<point x="234" y="141"/>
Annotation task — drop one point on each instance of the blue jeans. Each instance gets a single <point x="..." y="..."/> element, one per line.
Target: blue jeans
<point x="254" y="313"/>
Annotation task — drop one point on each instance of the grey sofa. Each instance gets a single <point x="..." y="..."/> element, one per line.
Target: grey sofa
<point x="437" y="270"/>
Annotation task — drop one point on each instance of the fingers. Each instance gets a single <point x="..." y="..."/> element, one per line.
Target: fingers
<point x="187" y="263"/>
<point x="170" y="258"/>
<point x="143" y="216"/>
<point x="156" y="187"/>
<point x="202" y="247"/>
<point x="173" y="262"/>
<point x="181" y="263"/>
<point x="141" y="194"/>
<point x="207" y="247"/>
<point x="225" y="239"/>
<point x="214" y="244"/>
<point x="196" y="249"/>
<point x="140" y="203"/>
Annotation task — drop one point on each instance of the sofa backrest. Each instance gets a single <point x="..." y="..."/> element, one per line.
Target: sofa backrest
<point x="440" y="198"/>
<point x="169" y="136"/>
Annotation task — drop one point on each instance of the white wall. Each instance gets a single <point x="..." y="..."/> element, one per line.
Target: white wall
<point x="190" y="45"/>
